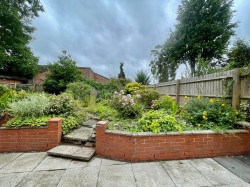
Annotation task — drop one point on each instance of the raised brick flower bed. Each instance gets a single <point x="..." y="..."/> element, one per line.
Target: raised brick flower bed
<point x="25" y="139"/>
<point x="136" y="147"/>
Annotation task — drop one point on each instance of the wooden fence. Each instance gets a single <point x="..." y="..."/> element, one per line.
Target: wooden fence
<point x="233" y="85"/>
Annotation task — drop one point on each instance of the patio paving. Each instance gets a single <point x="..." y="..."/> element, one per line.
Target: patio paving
<point x="39" y="169"/>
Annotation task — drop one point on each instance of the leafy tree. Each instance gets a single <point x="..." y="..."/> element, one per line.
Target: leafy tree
<point x="239" y="55"/>
<point x="15" y="35"/>
<point x="121" y="75"/>
<point x="61" y="73"/>
<point x="203" y="28"/>
<point x="142" y="77"/>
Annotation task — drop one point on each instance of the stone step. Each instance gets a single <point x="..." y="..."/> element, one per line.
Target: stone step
<point x="81" y="134"/>
<point x="73" y="151"/>
<point x="90" y="123"/>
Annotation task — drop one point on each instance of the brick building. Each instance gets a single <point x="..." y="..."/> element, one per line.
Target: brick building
<point x="86" y="72"/>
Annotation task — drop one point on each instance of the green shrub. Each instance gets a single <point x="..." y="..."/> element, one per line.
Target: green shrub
<point x="125" y="105"/>
<point x="69" y="123"/>
<point x="103" y="111"/>
<point x="205" y="113"/>
<point x="133" y="87"/>
<point x="34" y="105"/>
<point x="167" y="103"/>
<point x="146" y="96"/>
<point x="28" y="121"/>
<point x="158" y="121"/>
<point x="80" y="91"/>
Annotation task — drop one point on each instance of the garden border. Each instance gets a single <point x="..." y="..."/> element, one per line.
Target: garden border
<point x="147" y="146"/>
<point x="24" y="139"/>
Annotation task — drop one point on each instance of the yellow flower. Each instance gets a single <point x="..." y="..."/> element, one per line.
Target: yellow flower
<point x="199" y="125"/>
<point x="198" y="97"/>
<point x="222" y="104"/>
<point x="211" y="100"/>
<point x="236" y="113"/>
<point x="204" y="117"/>
<point x="186" y="97"/>
<point x="191" y="117"/>
<point x="204" y="113"/>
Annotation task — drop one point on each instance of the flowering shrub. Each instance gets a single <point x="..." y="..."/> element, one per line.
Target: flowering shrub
<point x="132" y="87"/>
<point x="146" y="96"/>
<point x="126" y="105"/>
<point x="167" y="103"/>
<point x="158" y="121"/>
<point x="205" y="113"/>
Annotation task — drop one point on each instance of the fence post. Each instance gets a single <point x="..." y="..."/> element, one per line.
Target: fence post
<point x="177" y="96"/>
<point x="236" y="88"/>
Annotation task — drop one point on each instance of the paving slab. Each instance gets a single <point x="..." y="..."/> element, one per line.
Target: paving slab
<point x="91" y="123"/>
<point x="73" y="151"/>
<point x="11" y="179"/>
<point x="108" y="162"/>
<point x="95" y="162"/>
<point x="116" y="175"/>
<point x="6" y="158"/>
<point x="151" y="174"/>
<point x="42" y="179"/>
<point x="237" y="167"/>
<point x="25" y="162"/>
<point x="214" y="172"/>
<point x="87" y="176"/>
<point x="53" y="163"/>
<point x="245" y="159"/>
<point x="78" y="164"/>
<point x="184" y="174"/>
<point x="80" y="134"/>
<point x="235" y="185"/>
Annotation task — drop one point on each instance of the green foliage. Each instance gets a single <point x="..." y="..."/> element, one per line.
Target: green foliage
<point x="121" y="74"/>
<point x="213" y="114"/>
<point x="15" y="28"/>
<point x="244" y="112"/>
<point x="146" y="96"/>
<point x="125" y="105"/>
<point x="239" y="55"/>
<point x="35" y="106"/>
<point x="29" y="121"/>
<point x="142" y="77"/>
<point x="61" y="73"/>
<point x="163" y="66"/>
<point x="167" y="103"/>
<point x="80" y="91"/>
<point x="69" y="123"/>
<point x="6" y="96"/>
<point x="133" y="87"/>
<point x="158" y="121"/>
<point x="203" y="27"/>
<point x="103" y="110"/>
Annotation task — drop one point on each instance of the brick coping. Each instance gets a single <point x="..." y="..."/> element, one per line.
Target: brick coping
<point x="24" y="127"/>
<point x="193" y="132"/>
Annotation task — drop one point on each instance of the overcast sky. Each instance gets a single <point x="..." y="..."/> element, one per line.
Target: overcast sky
<point x="102" y="33"/>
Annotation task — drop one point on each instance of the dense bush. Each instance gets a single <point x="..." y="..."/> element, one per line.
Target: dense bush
<point x="103" y="111"/>
<point x="158" y="121"/>
<point x="205" y="113"/>
<point x="28" y="121"/>
<point x="146" y="96"/>
<point x="35" y="105"/>
<point x="167" y="103"/>
<point x="125" y="105"/>
<point x="80" y="91"/>
<point x="133" y="87"/>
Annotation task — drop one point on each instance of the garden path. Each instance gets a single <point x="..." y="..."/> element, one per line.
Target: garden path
<point x="39" y="169"/>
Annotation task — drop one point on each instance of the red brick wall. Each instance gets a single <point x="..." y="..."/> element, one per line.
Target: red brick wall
<point x="11" y="81"/>
<point x="100" y="78"/>
<point x="135" y="147"/>
<point x="31" y="139"/>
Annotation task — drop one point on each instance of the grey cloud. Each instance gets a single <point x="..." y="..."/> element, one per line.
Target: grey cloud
<point x="102" y="33"/>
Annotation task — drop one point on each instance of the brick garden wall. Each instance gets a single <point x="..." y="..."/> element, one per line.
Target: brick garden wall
<point x="136" y="147"/>
<point x="31" y="139"/>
